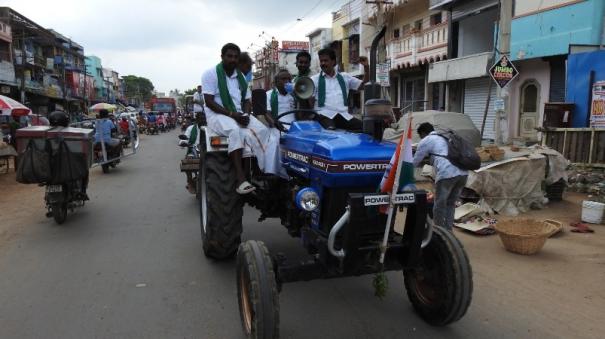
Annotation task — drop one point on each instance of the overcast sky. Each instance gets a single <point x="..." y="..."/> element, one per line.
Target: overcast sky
<point x="172" y="42"/>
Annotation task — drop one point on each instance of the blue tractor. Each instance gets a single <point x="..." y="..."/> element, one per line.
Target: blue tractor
<point x="330" y="202"/>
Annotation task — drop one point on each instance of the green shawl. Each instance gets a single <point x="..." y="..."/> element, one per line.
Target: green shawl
<point x="224" y="90"/>
<point x="321" y="89"/>
<point x="273" y="101"/>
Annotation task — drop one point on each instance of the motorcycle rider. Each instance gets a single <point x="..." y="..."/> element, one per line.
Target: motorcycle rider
<point x="61" y="119"/>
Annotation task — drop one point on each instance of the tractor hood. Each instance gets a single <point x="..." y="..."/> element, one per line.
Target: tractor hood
<point x="336" y="158"/>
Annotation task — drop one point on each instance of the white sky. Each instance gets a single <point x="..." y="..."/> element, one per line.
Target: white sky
<point x="172" y="42"/>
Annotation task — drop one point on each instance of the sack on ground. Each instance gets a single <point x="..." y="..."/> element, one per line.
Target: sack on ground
<point x="34" y="164"/>
<point x="68" y="166"/>
<point x="460" y="152"/>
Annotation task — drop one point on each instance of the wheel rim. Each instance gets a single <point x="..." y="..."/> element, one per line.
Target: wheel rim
<point x="203" y="201"/>
<point x="246" y="307"/>
<point x="429" y="283"/>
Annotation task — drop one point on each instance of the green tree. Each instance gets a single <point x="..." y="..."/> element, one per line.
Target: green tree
<point x="138" y="87"/>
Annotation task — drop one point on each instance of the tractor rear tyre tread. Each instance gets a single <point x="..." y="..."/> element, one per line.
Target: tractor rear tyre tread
<point x="258" y="294"/>
<point x="221" y="238"/>
<point x="442" y="296"/>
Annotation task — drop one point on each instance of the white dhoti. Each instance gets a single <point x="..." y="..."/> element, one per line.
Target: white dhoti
<point x="255" y="139"/>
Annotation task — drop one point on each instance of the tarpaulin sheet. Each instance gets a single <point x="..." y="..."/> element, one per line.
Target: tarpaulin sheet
<point x="511" y="186"/>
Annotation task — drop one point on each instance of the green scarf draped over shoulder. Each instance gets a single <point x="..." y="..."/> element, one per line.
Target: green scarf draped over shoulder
<point x="224" y="90"/>
<point x="321" y="89"/>
<point x="274" y="103"/>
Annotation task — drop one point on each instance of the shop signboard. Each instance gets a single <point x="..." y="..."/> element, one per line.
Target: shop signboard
<point x="503" y="71"/>
<point x="295" y="45"/>
<point x="597" y="111"/>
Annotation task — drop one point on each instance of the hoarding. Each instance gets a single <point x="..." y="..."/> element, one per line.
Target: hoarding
<point x="597" y="111"/>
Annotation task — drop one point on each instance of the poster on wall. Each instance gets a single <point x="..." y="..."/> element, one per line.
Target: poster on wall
<point x="382" y="73"/>
<point x="597" y="110"/>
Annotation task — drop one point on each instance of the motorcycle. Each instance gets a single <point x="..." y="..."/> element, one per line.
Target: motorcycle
<point x="162" y="128"/>
<point x="113" y="156"/>
<point x="152" y="128"/>
<point x="61" y="197"/>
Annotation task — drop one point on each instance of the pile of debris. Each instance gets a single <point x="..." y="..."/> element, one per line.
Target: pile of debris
<point x="587" y="180"/>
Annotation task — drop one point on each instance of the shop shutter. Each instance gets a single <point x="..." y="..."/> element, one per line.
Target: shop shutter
<point x="475" y="96"/>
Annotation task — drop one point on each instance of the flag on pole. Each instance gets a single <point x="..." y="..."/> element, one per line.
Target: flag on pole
<point x="406" y="178"/>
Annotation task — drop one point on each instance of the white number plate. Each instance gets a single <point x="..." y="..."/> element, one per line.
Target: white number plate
<point x="54" y="188"/>
<point x="401" y="198"/>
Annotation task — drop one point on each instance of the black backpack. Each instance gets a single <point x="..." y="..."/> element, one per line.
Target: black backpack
<point x="460" y="152"/>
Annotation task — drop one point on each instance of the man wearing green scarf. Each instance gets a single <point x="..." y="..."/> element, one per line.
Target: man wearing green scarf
<point x="279" y="100"/>
<point x="332" y="90"/>
<point x="227" y="98"/>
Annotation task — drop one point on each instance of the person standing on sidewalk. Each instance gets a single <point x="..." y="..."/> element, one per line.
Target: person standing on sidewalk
<point x="449" y="179"/>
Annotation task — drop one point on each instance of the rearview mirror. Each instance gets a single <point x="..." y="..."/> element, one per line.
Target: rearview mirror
<point x="183" y="137"/>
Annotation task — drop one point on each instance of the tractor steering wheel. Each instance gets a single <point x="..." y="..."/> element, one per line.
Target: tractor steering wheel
<point x="303" y="110"/>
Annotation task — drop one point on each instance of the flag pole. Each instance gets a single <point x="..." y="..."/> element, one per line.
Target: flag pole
<point x="387" y="227"/>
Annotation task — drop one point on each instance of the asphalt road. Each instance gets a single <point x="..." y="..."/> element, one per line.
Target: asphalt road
<point x="129" y="265"/>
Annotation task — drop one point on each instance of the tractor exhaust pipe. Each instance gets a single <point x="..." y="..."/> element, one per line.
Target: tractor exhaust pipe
<point x="373" y="56"/>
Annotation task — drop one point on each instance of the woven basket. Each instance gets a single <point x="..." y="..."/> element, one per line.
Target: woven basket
<point x="524" y="236"/>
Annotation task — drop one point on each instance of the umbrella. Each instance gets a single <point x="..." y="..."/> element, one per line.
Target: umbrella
<point x="102" y="105"/>
<point x="12" y="107"/>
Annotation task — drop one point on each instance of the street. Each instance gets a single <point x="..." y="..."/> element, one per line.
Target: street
<point x="129" y="265"/>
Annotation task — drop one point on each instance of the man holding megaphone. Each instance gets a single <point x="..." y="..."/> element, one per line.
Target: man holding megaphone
<point x="332" y="90"/>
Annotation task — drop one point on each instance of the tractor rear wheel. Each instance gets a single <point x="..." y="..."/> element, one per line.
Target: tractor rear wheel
<point x="221" y="208"/>
<point x="258" y="296"/>
<point x="441" y="287"/>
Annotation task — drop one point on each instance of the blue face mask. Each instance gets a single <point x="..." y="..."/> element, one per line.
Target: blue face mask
<point x="289" y="87"/>
<point x="248" y="76"/>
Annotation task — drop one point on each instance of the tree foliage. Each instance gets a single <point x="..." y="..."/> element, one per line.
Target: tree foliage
<point x="138" y="87"/>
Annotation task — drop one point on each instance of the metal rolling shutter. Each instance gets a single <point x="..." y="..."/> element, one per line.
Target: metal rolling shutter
<point x="475" y="96"/>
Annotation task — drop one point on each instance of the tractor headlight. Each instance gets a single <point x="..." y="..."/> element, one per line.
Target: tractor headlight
<point x="307" y="199"/>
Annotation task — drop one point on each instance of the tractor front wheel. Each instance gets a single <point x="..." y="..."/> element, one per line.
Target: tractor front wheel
<point x="258" y="296"/>
<point x="441" y="287"/>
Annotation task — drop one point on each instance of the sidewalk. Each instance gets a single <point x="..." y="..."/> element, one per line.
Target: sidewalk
<point x="560" y="288"/>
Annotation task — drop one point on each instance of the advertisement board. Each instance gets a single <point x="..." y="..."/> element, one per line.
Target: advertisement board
<point x="597" y="110"/>
<point x="382" y="73"/>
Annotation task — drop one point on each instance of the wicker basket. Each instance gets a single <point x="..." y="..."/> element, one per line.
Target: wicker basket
<point x="524" y="236"/>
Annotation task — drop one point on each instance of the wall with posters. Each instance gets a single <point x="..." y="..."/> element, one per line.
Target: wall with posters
<point x="583" y="70"/>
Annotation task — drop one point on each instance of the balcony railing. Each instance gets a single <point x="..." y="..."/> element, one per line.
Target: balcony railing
<point x="426" y="44"/>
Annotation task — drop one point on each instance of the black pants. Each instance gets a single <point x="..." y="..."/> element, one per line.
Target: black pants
<point x="340" y="123"/>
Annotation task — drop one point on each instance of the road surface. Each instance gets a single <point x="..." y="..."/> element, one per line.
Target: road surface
<point x="129" y="265"/>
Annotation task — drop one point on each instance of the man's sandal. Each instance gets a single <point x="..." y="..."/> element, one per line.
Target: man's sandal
<point x="245" y="188"/>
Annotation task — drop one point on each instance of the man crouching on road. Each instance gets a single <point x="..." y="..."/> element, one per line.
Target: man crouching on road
<point x="228" y="107"/>
<point x="449" y="181"/>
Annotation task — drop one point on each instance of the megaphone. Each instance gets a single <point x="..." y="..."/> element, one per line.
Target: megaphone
<point x="304" y="88"/>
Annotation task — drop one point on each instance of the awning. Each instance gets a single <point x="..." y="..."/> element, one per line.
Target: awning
<point x="468" y="67"/>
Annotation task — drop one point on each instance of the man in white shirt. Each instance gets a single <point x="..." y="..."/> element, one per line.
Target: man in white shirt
<point x="332" y="90"/>
<point x="227" y="99"/>
<point x="279" y="100"/>
<point x="198" y="100"/>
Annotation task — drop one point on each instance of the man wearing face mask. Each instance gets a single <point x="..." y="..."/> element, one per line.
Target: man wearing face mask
<point x="332" y="90"/>
<point x="279" y="100"/>
<point x="227" y="99"/>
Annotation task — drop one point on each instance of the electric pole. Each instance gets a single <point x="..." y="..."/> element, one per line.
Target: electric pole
<point x="504" y="30"/>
